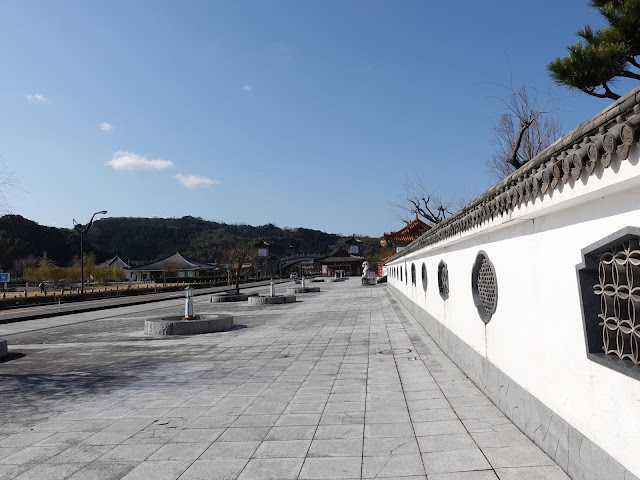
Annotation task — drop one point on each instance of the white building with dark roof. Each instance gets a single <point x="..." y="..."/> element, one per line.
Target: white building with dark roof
<point x="174" y="265"/>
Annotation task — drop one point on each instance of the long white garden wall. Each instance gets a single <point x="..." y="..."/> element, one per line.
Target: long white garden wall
<point x="531" y="357"/>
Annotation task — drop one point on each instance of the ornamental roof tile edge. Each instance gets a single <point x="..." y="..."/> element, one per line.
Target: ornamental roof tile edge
<point x="611" y="132"/>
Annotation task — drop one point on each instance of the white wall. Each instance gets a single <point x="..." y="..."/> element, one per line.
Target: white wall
<point x="536" y="335"/>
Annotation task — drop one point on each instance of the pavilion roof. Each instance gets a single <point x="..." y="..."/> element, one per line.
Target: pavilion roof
<point x="405" y="235"/>
<point x="174" y="262"/>
<point x="340" y="255"/>
<point x="116" y="262"/>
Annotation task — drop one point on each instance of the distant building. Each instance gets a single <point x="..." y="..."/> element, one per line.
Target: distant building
<point x="116" y="263"/>
<point x="399" y="240"/>
<point x="175" y="265"/>
<point x="342" y="262"/>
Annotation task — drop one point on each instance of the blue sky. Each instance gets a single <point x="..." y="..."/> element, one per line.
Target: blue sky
<point x="298" y="113"/>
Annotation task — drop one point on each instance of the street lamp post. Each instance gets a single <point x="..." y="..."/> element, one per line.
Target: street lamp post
<point x="82" y="230"/>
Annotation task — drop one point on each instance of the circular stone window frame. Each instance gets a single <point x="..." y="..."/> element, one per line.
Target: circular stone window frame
<point x="424" y="276"/>
<point x="443" y="279"/>
<point x="414" y="280"/>
<point x="485" y="311"/>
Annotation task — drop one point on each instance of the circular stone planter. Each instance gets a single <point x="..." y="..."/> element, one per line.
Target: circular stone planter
<point x="3" y="348"/>
<point x="202" y="324"/>
<point x="303" y="290"/>
<point x="278" y="299"/>
<point x="231" y="297"/>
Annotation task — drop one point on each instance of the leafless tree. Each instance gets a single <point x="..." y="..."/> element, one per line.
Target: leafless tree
<point x="528" y="123"/>
<point x="7" y="182"/>
<point x="236" y="256"/>
<point x="421" y="201"/>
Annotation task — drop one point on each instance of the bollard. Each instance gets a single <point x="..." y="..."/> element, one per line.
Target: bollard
<point x="188" y="303"/>
<point x="302" y="281"/>
<point x="272" y="289"/>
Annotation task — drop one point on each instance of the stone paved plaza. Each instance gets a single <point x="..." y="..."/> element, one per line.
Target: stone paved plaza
<point x="342" y="384"/>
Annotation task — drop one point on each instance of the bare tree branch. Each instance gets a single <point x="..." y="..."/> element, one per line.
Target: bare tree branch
<point x="419" y="201"/>
<point x="529" y="123"/>
<point x="7" y="182"/>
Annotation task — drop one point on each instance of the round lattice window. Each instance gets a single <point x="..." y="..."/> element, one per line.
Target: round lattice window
<point x="484" y="287"/>
<point x="413" y="274"/>
<point x="443" y="280"/>
<point x="424" y="277"/>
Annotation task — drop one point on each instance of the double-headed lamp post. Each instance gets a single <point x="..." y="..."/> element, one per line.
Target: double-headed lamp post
<point x="82" y="229"/>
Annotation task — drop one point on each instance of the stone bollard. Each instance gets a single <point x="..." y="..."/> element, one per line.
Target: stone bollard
<point x="272" y="289"/>
<point x="302" y="281"/>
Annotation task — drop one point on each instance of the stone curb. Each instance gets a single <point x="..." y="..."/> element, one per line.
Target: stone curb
<point x="303" y="290"/>
<point x="203" y="324"/>
<point x="278" y="299"/>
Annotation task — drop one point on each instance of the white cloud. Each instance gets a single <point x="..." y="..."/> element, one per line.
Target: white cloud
<point x="195" y="181"/>
<point x="105" y="127"/>
<point x="36" y="98"/>
<point x="247" y="88"/>
<point x="133" y="161"/>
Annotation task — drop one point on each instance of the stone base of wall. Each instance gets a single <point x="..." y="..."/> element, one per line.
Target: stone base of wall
<point x="570" y="449"/>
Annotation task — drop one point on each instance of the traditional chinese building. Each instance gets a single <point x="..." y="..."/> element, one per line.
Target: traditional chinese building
<point x="341" y="261"/>
<point x="403" y="237"/>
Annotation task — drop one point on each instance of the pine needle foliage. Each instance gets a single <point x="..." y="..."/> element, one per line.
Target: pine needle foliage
<point x="602" y="56"/>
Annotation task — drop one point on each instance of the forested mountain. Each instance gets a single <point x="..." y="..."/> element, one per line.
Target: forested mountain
<point x="142" y="240"/>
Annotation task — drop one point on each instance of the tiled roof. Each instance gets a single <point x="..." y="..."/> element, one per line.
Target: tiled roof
<point x="340" y="255"/>
<point x="407" y="234"/>
<point x="174" y="262"/>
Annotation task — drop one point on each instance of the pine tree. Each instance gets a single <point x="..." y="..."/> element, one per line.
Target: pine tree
<point x="602" y="56"/>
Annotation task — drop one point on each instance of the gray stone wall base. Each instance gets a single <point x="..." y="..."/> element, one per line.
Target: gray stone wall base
<point x="4" y="351"/>
<point x="203" y="324"/>
<point x="578" y="456"/>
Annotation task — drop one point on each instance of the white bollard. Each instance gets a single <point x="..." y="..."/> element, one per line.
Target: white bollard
<point x="272" y="289"/>
<point x="303" y="282"/>
<point x="188" y="303"/>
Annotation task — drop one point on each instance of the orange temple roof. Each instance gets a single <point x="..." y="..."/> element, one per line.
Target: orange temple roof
<point x="405" y="235"/>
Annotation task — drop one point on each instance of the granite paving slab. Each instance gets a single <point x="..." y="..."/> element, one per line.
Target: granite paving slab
<point x="344" y="384"/>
